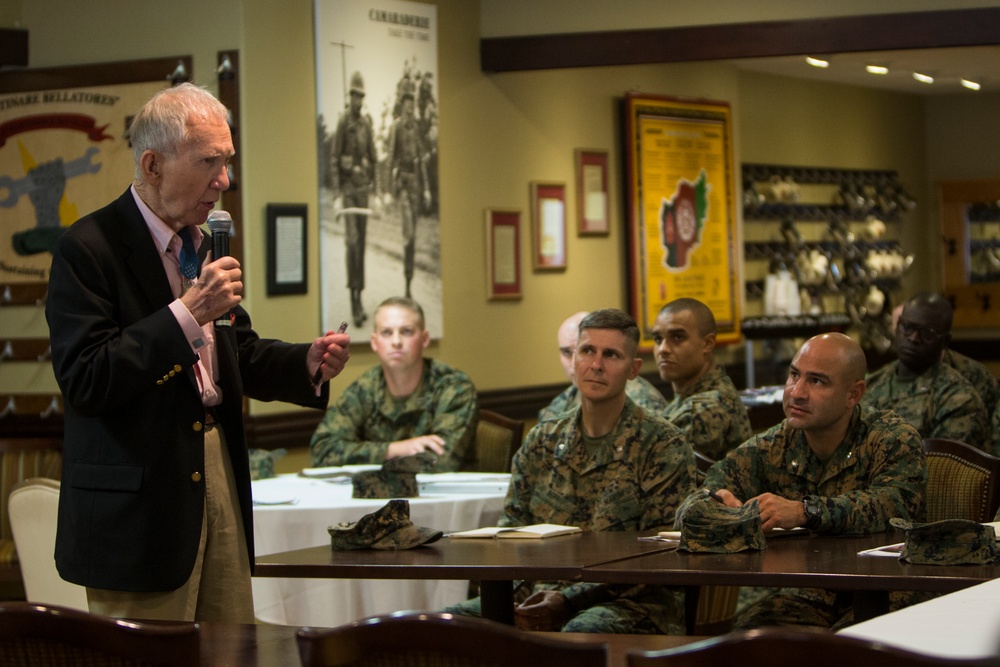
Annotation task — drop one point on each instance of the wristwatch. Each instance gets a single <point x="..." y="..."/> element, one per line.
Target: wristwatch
<point x="814" y="512"/>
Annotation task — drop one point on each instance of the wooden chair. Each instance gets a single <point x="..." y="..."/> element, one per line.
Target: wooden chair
<point x="962" y="482"/>
<point x="20" y="459"/>
<point x="767" y="647"/>
<point x="33" y="506"/>
<point x="497" y="438"/>
<point x="32" y="635"/>
<point x="439" y="640"/>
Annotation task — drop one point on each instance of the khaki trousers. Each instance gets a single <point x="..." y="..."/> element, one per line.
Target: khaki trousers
<point x="219" y="586"/>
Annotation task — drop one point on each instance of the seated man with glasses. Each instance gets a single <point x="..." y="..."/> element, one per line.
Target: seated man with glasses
<point x="932" y="396"/>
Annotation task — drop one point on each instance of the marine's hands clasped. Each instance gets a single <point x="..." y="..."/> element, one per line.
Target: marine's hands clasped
<point x="542" y="610"/>
<point x="775" y="511"/>
<point x="219" y="289"/>
<point x="413" y="446"/>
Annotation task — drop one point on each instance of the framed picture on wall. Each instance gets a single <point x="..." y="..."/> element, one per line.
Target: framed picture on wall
<point x="286" y="249"/>
<point x="503" y="254"/>
<point x="591" y="192"/>
<point x="681" y="210"/>
<point x="548" y="221"/>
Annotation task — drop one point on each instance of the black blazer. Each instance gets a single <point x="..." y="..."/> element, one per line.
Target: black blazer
<point x="133" y="493"/>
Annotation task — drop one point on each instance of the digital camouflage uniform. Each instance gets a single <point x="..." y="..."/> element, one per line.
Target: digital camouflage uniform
<point x="985" y="383"/>
<point x="878" y="472"/>
<point x="940" y="403"/>
<point x="366" y="418"/>
<point x="640" y="390"/>
<point x="633" y="481"/>
<point x="711" y="415"/>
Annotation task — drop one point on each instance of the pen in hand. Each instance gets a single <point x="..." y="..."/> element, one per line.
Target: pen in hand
<point x="318" y="375"/>
<point x="715" y="496"/>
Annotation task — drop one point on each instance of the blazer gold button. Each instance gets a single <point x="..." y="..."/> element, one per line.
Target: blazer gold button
<point x="159" y="382"/>
<point x="196" y="477"/>
<point x="172" y="373"/>
<point x="177" y="368"/>
<point x="197" y="426"/>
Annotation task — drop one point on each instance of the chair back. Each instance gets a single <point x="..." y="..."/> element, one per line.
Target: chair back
<point x="766" y="647"/>
<point x="440" y="640"/>
<point x="32" y="635"/>
<point x="497" y="438"/>
<point x="33" y="506"/>
<point x="962" y="482"/>
<point x="21" y="458"/>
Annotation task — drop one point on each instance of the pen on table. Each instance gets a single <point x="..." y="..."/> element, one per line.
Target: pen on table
<point x="318" y="375"/>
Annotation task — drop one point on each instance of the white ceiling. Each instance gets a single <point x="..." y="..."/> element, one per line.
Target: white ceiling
<point x="947" y="66"/>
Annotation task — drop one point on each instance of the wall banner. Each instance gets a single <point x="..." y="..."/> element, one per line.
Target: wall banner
<point x="681" y="210"/>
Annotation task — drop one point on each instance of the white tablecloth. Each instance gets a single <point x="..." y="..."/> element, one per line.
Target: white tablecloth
<point x="963" y="624"/>
<point x="448" y="502"/>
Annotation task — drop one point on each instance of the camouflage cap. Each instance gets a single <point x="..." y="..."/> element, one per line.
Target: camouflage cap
<point x="710" y="526"/>
<point x="397" y="478"/>
<point x="388" y="528"/>
<point x="262" y="462"/>
<point x="948" y="542"/>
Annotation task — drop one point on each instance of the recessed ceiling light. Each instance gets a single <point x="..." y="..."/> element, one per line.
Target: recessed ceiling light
<point x="877" y="69"/>
<point x="816" y="62"/>
<point x="923" y="78"/>
<point x="971" y="85"/>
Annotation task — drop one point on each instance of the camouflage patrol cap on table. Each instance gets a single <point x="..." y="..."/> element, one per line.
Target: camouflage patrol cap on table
<point x="709" y="526"/>
<point x="388" y="528"/>
<point x="262" y="462"/>
<point x="397" y="478"/>
<point x="948" y="542"/>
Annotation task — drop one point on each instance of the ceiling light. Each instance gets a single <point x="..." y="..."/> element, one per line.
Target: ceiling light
<point x="877" y="69"/>
<point x="923" y="78"/>
<point x="816" y="62"/>
<point x="971" y="85"/>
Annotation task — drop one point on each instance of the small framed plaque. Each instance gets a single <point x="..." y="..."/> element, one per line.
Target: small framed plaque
<point x="591" y="192"/>
<point x="548" y="218"/>
<point x="503" y="254"/>
<point x="286" y="249"/>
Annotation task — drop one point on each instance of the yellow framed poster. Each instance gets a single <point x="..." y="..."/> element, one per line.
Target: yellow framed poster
<point x="681" y="209"/>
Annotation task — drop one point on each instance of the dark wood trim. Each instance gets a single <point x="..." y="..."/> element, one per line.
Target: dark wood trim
<point x="13" y="47"/>
<point x="93" y="74"/>
<point x="878" y="32"/>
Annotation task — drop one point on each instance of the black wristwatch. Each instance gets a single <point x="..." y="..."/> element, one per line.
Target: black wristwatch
<point x="814" y="512"/>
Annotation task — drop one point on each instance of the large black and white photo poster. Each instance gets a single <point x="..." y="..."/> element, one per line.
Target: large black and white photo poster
<point x="377" y="97"/>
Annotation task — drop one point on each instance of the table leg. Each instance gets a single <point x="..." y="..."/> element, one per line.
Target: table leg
<point x="496" y="600"/>
<point x="869" y="604"/>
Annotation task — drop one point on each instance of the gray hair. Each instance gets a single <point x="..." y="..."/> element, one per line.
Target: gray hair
<point x="162" y="123"/>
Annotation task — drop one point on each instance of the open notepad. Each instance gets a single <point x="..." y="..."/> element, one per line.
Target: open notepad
<point x="536" y="531"/>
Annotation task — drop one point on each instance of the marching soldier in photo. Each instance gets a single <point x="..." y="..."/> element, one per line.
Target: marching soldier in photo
<point x="409" y="177"/>
<point x="354" y="161"/>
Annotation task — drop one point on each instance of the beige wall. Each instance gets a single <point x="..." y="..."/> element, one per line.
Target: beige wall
<point x="498" y="132"/>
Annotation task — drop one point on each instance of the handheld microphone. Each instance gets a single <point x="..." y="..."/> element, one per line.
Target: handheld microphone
<point x="220" y="223"/>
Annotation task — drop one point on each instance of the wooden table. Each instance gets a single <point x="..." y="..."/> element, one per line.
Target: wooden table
<point x="264" y="645"/>
<point x="495" y="563"/>
<point x="801" y="561"/>
<point x="619" y="557"/>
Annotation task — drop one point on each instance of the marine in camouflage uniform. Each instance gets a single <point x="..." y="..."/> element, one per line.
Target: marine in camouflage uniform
<point x="642" y="392"/>
<point x="633" y="479"/>
<point x="354" y="161"/>
<point x="878" y="472"/>
<point x="711" y="415"/>
<point x="366" y="418"/>
<point x="706" y="405"/>
<point x="929" y="394"/>
<point x="939" y="403"/>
